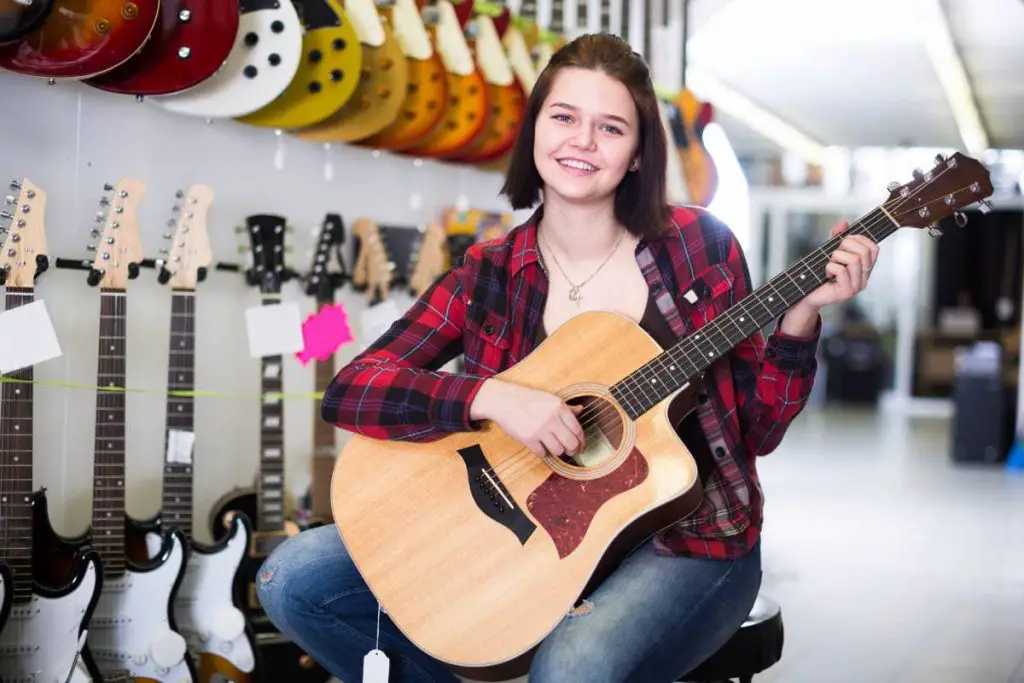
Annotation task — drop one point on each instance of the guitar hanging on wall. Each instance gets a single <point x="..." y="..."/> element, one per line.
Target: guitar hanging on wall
<point x="18" y="19"/>
<point x="634" y="477"/>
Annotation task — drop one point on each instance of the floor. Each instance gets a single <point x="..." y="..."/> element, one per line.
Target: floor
<point x="891" y="564"/>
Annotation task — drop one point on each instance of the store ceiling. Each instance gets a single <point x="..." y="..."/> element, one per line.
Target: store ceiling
<point x="858" y="73"/>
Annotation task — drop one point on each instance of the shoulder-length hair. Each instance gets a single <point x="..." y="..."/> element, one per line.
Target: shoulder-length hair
<point x="640" y="199"/>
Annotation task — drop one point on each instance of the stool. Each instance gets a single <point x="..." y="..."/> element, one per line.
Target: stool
<point x="756" y="646"/>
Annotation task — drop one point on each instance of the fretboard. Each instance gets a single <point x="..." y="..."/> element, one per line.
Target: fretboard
<point x="658" y="379"/>
<point x="324" y="443"/>
<point x="108" y="465"/>
<point x="271" y="513"/>
<point x="177" y="490"/>
<point x="16" y="468"/>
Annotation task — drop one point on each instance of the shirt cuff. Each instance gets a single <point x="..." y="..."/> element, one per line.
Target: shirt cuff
<point x="450" y="409"/>
<point x="791" y="353"/>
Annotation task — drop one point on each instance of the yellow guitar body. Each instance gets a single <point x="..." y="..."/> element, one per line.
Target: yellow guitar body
<point x="328" y="73"/>
<point x="383" y="82"/>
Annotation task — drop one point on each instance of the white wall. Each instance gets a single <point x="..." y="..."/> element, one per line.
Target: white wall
<point x="71" y="139"/>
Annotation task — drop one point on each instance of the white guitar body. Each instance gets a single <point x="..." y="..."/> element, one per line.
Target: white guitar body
<point x="41" y="641"/>
<point x="131" y="627"/>
<point x="204" y="611"/>
<point x="261" y="64"/>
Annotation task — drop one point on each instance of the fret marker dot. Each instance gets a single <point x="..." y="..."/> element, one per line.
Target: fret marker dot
<point x="17" y="428"/>
<point x="17" y="392"/>
<point x="110" y="445"/>
<point x="803" y="277"/>
<point x="108" y="532"/>
<point x="770" y="299"/>
<point x="654" y="381"/>
<point x="181" y="378"/>
<point x="109" y="515"/>
<point x="710" y="354"/>
<point x="3" y="500"/>
<point x="181" y="344"/>
<point x="27" y="499"/>
<point x="16" y="458"/>
<point x="742" y="318"/>
<point x="671" y="367"/>
<point x="179" y="409"/>
<point x="119" y="482"/>
<point x="112" y="347"/>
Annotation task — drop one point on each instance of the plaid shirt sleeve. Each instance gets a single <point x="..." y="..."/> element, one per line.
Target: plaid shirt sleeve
<point x="394" y="388"/>
<point x="773" y="378"/>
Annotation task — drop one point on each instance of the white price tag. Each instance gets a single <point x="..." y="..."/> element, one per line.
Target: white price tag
<point x="26" y="337"/>
<point x="274" y="330"/>
<point x="179" y="446"/>
<point x="375" y="667"/>
<point x="376" y="320"/>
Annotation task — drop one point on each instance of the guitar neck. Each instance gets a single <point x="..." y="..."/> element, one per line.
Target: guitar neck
<point x="324" y="444"/>
<point x="659" y="378"/>
<point x="16" y="467"/>
<point x="109" y="455"/>
<point x="177" y="488"/>
<point x="270" y="500"/>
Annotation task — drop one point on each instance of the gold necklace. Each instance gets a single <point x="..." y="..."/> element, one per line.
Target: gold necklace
<point x="574" y="289"/>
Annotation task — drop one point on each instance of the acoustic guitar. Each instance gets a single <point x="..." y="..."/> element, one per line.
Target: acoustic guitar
<point x="467" y="107"/>
<point x="262" y="63"/>
<point x="190" y="42"/>
<point x="18" y="18"/>
<point x="383" y="80"/>
<point x="477" y="549"/>
<point x="427" y="90"/>
<point x="82" y="38"/>
<point x="327" y="74"/>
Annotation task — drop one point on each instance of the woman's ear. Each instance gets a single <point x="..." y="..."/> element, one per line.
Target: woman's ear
<point x="635" y="166"/>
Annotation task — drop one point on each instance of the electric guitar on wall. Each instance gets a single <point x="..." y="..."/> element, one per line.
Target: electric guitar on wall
<point x="44" y="635"/>
<point x="265" y="503"/>
<point x="82" y="38"/>
<point x="498" y="539"/>
<point x="19" y="18"/>
<point x="204" y="610"/>
<point x="190" y="42"/>
<point x="260" y="66"/>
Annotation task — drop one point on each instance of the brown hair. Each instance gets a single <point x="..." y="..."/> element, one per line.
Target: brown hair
<point x="640" y="199"/>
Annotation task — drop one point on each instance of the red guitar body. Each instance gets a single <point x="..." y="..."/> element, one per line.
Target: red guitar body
<point x="82" y="38"/>
<point x="191" y="40"/>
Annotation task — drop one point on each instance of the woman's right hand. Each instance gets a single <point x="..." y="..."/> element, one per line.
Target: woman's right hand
<point x="537" y="419"/>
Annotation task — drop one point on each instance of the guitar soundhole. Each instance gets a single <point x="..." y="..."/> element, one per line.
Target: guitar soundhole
<point x="603" y="429"/>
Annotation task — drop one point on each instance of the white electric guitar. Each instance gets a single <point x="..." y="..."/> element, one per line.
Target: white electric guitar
<point x="204" y="610"/>
<point x="132" y="630"/>
<point x="260" y="66"/>
<point x="48" y="612"/>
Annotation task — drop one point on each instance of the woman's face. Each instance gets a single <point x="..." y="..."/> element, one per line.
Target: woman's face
<point x="586" y="135"/>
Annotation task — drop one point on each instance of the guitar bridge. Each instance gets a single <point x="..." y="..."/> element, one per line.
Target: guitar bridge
<point x="492" y="497"/>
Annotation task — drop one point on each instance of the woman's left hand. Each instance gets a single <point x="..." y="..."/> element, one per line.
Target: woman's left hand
<point x="848" y="269"/>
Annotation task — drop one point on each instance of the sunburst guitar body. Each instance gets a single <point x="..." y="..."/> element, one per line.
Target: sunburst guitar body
<point x="82" y="38"/>
<point x="383" y="80"/>
<point x="427" y="91"/>
<point x="262" y="62"/>
<point x="687" y="118"/>
<point x="466" y="110"/>
<point x="328" y="72"/>
<point x="18" y="19"/>
<point x="191" y="40"/>
<point x="507" y="101"/>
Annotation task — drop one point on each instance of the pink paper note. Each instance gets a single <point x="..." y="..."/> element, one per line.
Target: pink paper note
<point x="324" y="333"/>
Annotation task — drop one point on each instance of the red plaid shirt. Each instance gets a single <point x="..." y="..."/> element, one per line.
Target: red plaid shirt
<point x="488" y="308"/>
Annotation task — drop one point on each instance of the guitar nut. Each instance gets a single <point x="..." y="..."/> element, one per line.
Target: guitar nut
<point x="130" y="11"/>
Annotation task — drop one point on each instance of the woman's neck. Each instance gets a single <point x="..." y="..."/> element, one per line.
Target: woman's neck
<point x="580" y="232"/>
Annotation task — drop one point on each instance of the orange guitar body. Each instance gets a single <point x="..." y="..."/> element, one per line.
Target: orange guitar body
<point x="505" y="114"/>
<point x="423" y="108"/>
<point x="464" y="117"/>
<point x="688" y="120"/>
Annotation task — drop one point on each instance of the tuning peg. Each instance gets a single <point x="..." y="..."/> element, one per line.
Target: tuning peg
<point x="9" y="200"/>
<point x="893" y="186"/>
<point x="104" y="201"/>
<point x="171" y="223"/>
<point x="167" y="235"/>
<point x="940" y="159"/>
<point x="94" y="233"/>
<point x="239" y="229"/>
<point x="108" y="187"/>
<point x="179" y="194"/>
<point x="918" y="174"/>
<point x="164" y="250"/>
<point x="15" y="184"/>
<point x="242" y="249"/>
<point x="934" y="231"/>
<point x="90" y="247"/>
<point x="984" y="206"/>
<point x="175" y="209"/>
<point x="960" y="218"/>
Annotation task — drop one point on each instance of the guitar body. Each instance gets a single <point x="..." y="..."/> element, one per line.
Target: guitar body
<point x="422" y="110"/>
<point x="464" y="118"/>
<point x="82" y="38"/>
<point x="205" y="609"/>
<point x="17" y="20"/>
<point x="279" y="659"/>
<point x="6" y="595"/>
<point x="529" y="551"/>
<point x="505" y="116"/>
<point x="261" y="64"/>
<point x="190" y="42"/>
<point x="328" y="72"/>
<point x="377" y="100"/>
<point x="41" y="637"/>
<point x="688" y="116"/>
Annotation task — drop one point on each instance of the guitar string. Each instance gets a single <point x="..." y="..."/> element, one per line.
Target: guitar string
<point x="861" y="226"/>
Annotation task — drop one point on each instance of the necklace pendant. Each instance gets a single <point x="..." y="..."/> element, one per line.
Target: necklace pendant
<point x="574" y="293"/>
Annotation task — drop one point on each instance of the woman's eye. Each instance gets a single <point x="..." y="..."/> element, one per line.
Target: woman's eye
<point x="562" y="117"/>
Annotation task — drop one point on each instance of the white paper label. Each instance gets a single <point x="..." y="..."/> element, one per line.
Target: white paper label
<point x="179" y="446"/>
<point x="274" y="330"/>
<point x="26" y="337"/>
<point x="375" y="667"/>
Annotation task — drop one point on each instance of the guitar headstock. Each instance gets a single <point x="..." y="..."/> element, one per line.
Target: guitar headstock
<point x="23" y="257"/>
<point x="189" y="253"/>
<point x="954" y="183"/>
<point x="373" y="269"/>
<point x="320" y="280"/>
<point x="119" y="251"/>
<point x="429" y="258"/>
<point x="266" y="249"/>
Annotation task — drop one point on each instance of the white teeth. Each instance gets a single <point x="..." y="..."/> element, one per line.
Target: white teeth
<point x="574" y="163"/>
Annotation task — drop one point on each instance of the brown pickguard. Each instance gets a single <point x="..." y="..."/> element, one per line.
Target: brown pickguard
<point x="565" y="507"/>
<point x="377" y="100"/>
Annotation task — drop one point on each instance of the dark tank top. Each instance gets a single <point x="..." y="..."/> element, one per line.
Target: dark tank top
<point x="688" y="427"/>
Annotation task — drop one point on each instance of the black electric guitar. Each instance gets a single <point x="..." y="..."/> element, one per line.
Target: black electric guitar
<point x="43" y="638"/>
<point x="278" y="659"/>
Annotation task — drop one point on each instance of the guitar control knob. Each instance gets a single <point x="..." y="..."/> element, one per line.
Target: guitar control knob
<point x="168" y="650"/>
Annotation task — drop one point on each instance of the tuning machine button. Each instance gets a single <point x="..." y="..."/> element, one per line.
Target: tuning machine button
<point x="933" y="231"/>
<point x="960" y="218"/>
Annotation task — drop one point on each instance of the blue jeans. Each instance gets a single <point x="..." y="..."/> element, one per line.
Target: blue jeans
<point x="654" y="619"/>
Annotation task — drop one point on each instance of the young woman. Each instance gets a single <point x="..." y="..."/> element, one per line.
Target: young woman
<point x="594" y="147"/>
